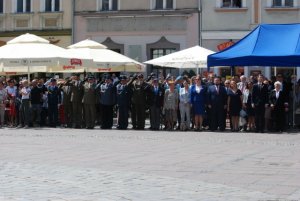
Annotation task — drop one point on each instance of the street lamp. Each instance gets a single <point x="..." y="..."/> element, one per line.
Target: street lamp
<point x="200" y="22"/>
<point x="199" y="26"/>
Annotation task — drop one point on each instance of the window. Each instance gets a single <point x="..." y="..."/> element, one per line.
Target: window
<point x="109" y="5"/>
<point x="283" y="3"/>
<point x="52" y="5"/>
<point x="159" y="4"/>
<point x="164" y="4"/>
<point x="155" y="53"/>
<point x="1" y="6"/>
<point x="232" y="3"/>
<point x="105" y="4"/>
<point x="169" y="4"/>
<point x="159" y="52"/>
<point x="23" y="6"/>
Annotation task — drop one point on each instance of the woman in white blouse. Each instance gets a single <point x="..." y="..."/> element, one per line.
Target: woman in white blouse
<point x="247" y="100"/>
<point x="185" y="106"/>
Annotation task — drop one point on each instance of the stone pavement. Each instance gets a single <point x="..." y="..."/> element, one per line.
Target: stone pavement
<point x="112" y="165"/>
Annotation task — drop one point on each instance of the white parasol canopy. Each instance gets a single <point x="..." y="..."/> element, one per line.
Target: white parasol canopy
<point x="104" y="60"/>
<point x="194" y="57"/>
<point x="29" y="53"/>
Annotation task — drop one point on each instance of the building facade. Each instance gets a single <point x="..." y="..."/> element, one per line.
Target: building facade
<point x="50" y="19"/>
<point x="142" y="30"/>
<point x="226" y="20"/>
<point x="147" y="29"/>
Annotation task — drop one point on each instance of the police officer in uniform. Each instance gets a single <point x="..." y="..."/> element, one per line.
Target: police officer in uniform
<point x="76" y="99"/>
<point x="107" y="101"/>
<point x="66" y="89"/>
<point x="140" y="96"/>
<point x="54" y="98"/>
<point x="89" y="102"/>
<point x="123" y="102"/>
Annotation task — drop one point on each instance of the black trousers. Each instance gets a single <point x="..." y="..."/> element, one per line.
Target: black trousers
<point x="68" y="114"/>
<point x="217" y="118"/>
<point x="138" y="116"/>
<point x="123" y="116"/>
<point x="53" y="114"/>
<point x="107" y="116"/>
<point x="278" y="119"/>
<point x="77" y="114"/>
<point x="155" y="117"/>
<point x="260" y="118"/>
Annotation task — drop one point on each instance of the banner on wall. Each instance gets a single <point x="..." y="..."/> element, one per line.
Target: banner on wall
<point x="225" y="45"/>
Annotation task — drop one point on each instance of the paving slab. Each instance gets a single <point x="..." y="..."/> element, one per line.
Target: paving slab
<point x="74" y="164"/>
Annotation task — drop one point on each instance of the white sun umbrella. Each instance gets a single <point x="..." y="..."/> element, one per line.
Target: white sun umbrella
<point x="104" y="60"/>
<point x="29" y="53"/>
<point x="194" y="57"/>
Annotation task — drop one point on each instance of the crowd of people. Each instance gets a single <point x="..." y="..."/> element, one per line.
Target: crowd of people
<point x="183" y="103"/>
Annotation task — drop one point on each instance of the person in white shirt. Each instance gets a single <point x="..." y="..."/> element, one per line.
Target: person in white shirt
<point x="185" y="106"/>
<point x="25" y="104"/>
<point x="242" y="84"/>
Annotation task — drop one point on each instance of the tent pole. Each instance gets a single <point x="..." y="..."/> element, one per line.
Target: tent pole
<point x="28" y="74"/>
<point x="200" y="23"/>
<point x="294" y="96"/>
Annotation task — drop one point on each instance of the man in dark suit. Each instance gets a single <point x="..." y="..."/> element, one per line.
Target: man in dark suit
<point x="156" y="104"/>
<point x="217" y="103"/>
<point x="259" y="103"/>
<point x="286" y="88"/>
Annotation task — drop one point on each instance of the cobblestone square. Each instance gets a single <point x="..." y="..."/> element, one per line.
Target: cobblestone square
<point x="111" y="165"/>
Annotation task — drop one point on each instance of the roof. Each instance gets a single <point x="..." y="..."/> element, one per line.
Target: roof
<point x="266" y="45"/>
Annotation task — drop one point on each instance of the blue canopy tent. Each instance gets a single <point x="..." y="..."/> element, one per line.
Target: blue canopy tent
<point x="266" y="45"/>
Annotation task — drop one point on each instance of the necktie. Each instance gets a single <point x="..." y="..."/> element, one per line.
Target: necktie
<point x="217" y="87"/>
<point x="68" y="89"/>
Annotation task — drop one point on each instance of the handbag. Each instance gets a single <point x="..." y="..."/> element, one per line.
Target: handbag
<point x="243" y="113"/>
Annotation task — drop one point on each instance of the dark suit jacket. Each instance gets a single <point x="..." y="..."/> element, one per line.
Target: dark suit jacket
<point x="157" y="98"/>
<point x="215" y="99"/>
<point x="286" y="89"/>
<point x="260" y="95"/>
<point x="108" y="94"/>
<point x="77" y="92"/>
<point x="123" y="95"/>
<point x="277" y="102"/>
<point x="140" y="93"/>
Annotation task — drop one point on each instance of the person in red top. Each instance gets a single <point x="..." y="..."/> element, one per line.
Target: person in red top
<point x="12" y="94"/>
